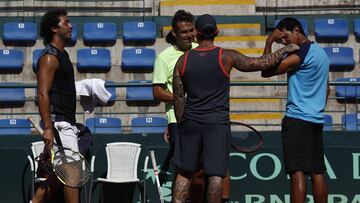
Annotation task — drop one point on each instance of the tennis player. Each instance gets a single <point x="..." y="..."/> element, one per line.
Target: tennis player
<point x="203" y="75"/>
<point x="302" y="126"/>
<point x="56" y="96"/>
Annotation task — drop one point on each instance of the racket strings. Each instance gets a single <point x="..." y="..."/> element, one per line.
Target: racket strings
<point x="73" y="170"/>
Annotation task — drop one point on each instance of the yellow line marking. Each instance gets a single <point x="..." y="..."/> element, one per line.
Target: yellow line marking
<point x="206" y="2"/>
<point x="252" y="100"/>
<point x="254" y="116"/>
<point x="240" y="38"/>
<point x="250" y="50"/>
<point x="229" y="26"/>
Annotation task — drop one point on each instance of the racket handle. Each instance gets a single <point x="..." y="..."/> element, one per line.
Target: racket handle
<point x="36" y="126"/>
<point x="153" y="160"/>
<point x="146" y="164"/>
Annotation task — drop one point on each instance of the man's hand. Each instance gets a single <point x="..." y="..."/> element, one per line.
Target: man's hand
<point x="275" y="36"/>
<point x="48" y="137"/>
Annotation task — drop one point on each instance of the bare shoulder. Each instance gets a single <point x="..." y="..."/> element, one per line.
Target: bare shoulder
<point x="49" y="60"/>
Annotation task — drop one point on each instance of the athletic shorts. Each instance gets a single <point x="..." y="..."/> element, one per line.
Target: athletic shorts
<point x="303" y="148"/>
<point x="202" y="145"/>
<point x="68" y="135"/>
<point x="173" y="132"/>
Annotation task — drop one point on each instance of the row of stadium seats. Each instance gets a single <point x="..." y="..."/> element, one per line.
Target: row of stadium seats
<point x="25" y="34"/>
<point x="111" y="125"/>
<point x="15" y="96"/>
<point x="97" y="125"/>
<point x="94" y="60"/>
<point x="98" y="60"/>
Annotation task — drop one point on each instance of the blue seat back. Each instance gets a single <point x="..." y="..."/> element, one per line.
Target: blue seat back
<point x="19" y="34"/>
<point x="148" y="125"/>
<point x="134" y="59"/>
<point x="11" y="61"/>
<point x="100" y="32"/>
<point x="104" y="125"/>
<point x="303" y="23"/>
<point x="348" y="92"/>
<point x="328" y="125"/>
<point x="12" y="97"/>
<point x="139" y="93"/>
<point x="357" y="28"/>
<point x="351" y="122"/>
<point x="93" y="60"/>
<point x="341" y="58"/>
<point x="15" y="127"/>
<point x="139" y="31"/>
<point x="331" y="29"/>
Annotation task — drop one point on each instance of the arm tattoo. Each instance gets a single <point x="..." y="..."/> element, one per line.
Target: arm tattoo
<point x="248" y="64"/>
<point x="178" y="91"/>
<point x="178" y="98"/>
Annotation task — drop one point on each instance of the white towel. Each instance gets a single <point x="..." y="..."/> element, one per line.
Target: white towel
<point x="92" y="92"/>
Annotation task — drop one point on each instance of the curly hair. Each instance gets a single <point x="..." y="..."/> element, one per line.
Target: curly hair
<point x="180" y="16"/>
<point x="50" y="20"/>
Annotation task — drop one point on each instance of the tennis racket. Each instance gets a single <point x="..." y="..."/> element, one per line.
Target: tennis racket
<point x="153" y="160"/>
<point x="245" y="138"/>
<point x="70" y="167"/>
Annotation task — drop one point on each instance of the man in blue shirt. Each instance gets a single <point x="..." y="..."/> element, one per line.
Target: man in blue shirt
<point x="302" y="126"/>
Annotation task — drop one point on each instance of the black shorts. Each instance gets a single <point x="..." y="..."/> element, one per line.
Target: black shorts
<point x="303" y="148"/>
<point x="200" y="145"/>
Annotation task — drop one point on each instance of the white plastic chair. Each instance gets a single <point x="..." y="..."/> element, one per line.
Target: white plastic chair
<point x="122" y="165"/>
<point x="36" y="149"/>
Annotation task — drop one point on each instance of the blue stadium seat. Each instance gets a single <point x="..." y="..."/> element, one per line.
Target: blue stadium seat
<point x="20" y="34"/>
<point x="12" y="97"/>
<point x="351" y="122"/>
<point x="347" y="92"/>
<point x="35" y="58"/>
<point x="11" y="61"/>
<point x="357" y="29"/>
<point x="100" y="33"/>
<point x="328" y="125"/>
<point x="15" y="127"/>
<point x="303" y="22"/>
<point x="139" y="93"/>
<point x="104" y="125"/>
<point x="138" y="59"/>
<point x="148" y="124"/>
<point x="139" y="32"/>
<point x="96" y="60"/>
<point x="341" y="58"/>
<point x="331" y="29"/>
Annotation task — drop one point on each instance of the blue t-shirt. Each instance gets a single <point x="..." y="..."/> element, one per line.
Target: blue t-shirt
<point x="307" y="84"/>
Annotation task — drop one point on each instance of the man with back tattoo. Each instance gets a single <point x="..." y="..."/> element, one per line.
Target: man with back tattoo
<point x="202" y="74"/>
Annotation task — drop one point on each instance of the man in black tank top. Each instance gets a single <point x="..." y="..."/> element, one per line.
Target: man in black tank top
<point x="202" y="74"/>
<point x="56" y="96"/>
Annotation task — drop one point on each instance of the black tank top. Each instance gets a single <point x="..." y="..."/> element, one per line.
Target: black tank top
<point x="207" y="86"/>
<point x="62" y="92"/>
